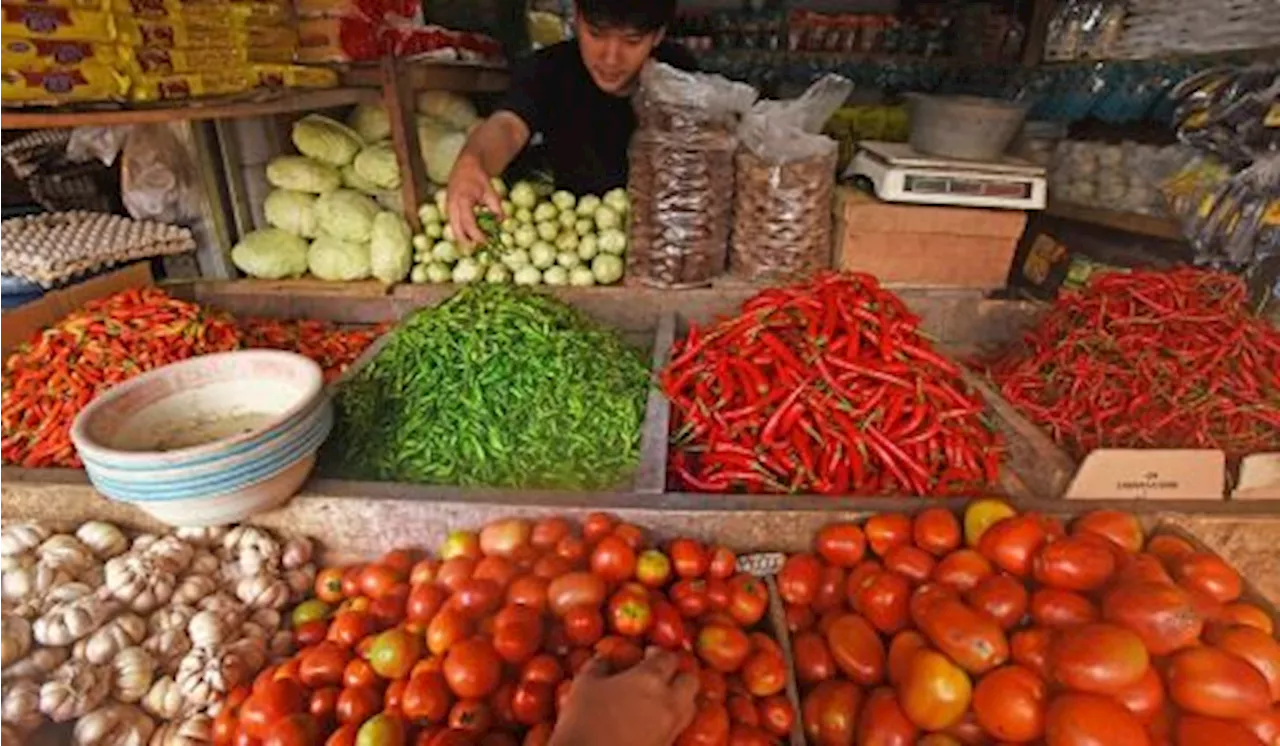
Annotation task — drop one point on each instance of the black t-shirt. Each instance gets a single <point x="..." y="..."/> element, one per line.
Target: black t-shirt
<point x="584" y="131"/>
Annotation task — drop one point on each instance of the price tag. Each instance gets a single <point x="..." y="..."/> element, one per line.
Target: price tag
<point x="761" y="564"/>
<point x="1136" y="474"/>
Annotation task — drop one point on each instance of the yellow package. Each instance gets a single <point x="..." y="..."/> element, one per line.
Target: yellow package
<point x="161" y="61"/>
<point x="206" y="12"/>
<point x="47" y="22"/>
<point x="80" y="4"/>
<point x="170" y="34"/>
<point x="88" y="81"/>
<point x="46" y="54"/>
<point x="294" y="76"/>
<point x="189" y="85"/>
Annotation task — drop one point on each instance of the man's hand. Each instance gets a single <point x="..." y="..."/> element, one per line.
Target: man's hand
<point x="469" y="186"/>
<point x="647" y="705"/>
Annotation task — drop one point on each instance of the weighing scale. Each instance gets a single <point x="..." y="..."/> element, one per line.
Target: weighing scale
<point x="900" y="174"/>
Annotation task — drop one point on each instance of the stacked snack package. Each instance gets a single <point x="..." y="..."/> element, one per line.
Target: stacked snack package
<point x="59" y="52"/>
<point x="340" y="31"/>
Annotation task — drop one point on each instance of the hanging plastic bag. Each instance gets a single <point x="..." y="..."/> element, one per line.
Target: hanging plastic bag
<point x="158" y="174"/>
<point x="785" y="182"/>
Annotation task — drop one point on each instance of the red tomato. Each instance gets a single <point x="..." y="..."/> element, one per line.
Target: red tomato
<point x="298" y="729"/>
<point x="710" y="727"/>
<point x="613" y="560"/>
<point x="358" y="672"/>
<point x="799" y="578"/>
<point x="884" y="531"/>
<point x="1051" y="607"/>
<point x="937" y="531"/>
<point x="378" y="580"/>
<point x="275" y="700"/>
<point x="619" y="652"/>
<point x="831" y="589"/>
<point x="712" y="686"/>
<point x="596" y="526"/>
<point x="1011" y="543"/>
<point x="446" y="628"/>
<point x="551" y="566"/>
<point x="472" y="668"/>
<point x="841" y="544"/>
<point x="532" y="702"/>
<point x="857" y="649"/>
<point x="830" y="713"/>
<point x="500" y="705"/>
<point x="812" y="658"/>
<point x="427" y="697"/>
<point x="348" y="628"/>
<point x="454" y="572"/>
<point x="630" y="613"/>
<point x="883" y="723"/>
<point x="389" y="610"/>
<point x="476" y="597"/>
<point x="631" y="534"/>
<point x="689" y="558"/>
<point x="1207" y="573"/>
<point x="583" y="625"/>
<point x="1080" y="563"/>
<point x="690" y="598"/>
<point x="542" y="669"/>
<point x="538" y="735"/>
<point x="393" y="697"/>
<point x="669" y="628"/>
<point x="328" y="585"/>
<point x="344" y="736"/>
<point x="547" y="532"/>
<point x="424" y="571"/>
<point x="572" y="549"/>
<point x="718" y="594"/>
<point x="742" y="710"/>
<point x="322" y="665"/>
<point x="883" y="600"/>
<point x="500" y="570"/>
<point x="471" y="715"/>
<point x="722" y="564"/>
<point x="517" y="633"/>
<point x="1120" y="528"/>
<point x="401" y="561"/>
<point x="722" y="647"/>
<point x="575" y="589"/>
<point x="1030" y="648"/>
<point x="1009" y="703"/>
<point x="764" y="674"/>
<point x="394" y="653"/>
<point x="748" y="599"/>
<point x="745" y="735"/>
<point x="962" y="570"/>
<point x="425" y="600"/>
<point x="529" y="591"/>
<point x="357" y="704"/>
<point x="799" y="618"/>
<point x="460" y="544"/>
<point x="777" y="716"/>
<point x="912" y="562"/>
<point x="351" y="581"/>
<point x="1001" y="597"/>
<point x="310" y="633"/>
<point x="504" y="537"/>
<point x="902" y="648"/>
<point x="653" y="569"/>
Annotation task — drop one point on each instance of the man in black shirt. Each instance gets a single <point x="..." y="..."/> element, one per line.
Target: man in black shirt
<point x="575" y="97"/>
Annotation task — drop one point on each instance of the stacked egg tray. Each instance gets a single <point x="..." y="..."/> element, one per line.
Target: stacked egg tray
<point x="51" y="248"/>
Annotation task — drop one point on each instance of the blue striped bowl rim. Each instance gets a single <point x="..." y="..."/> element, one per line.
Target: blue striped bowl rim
<point x="221" y="484"/>
<point x="215" y="461"/>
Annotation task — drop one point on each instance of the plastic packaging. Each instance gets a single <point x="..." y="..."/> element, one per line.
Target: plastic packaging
<point x="87" y="81"/>
<point x="785" y="179"/>
<point x="682" y="174"/>
<point x="46" y="22"/>
<point x="158" y="174"/>
<point x="46" y="54"/>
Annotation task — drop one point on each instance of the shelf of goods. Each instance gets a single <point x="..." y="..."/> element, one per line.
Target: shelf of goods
<point x="1145" y="225"/>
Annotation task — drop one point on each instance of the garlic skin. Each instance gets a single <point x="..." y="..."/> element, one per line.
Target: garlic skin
<point x="66" y="553"/>
<point x="38" y="664"/>
<point x="133" y="669"/>
<point x="125" y="631"/>
<point x="202" y="536"/>
<point x="168" y="648"/>
<point x="204" y="675"/>
<point x="263" y="591"/>
<point x="206" y="629"/>
<point x="226" y="606"/>
<point x="165" y="700"/>
<point x="300" y="581"/>
<point x="105" y="540"/>
<point x="196" y="730"/>
<point x="15" y="639"/>
<point x="114" y="724"/>
<point x="21" y="705"/>
<point x="252" y="549"/>
<point x="296" y="552"/>
<point x="204" y="562"/>
<point x="193" y="589"/>
<point x="173" y="616"/>
<point x="71" y="620"/>
<point x="30" y="584"/>
<point x="74" y="689"/>
<point x="139" y="581"/>
<point x="170" y="553"/>
<point x="16" y="538"/>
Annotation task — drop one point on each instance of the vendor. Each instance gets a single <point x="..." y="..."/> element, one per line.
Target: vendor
<point x="572" y="102"/>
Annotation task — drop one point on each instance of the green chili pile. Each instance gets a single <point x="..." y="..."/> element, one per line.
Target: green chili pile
<point x="497" y="386"/>
<point x="827" y="387"/>
<point x="1150" y="360"/>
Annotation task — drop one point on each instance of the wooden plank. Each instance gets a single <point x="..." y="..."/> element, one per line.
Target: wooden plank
<point x="197" y="109"/>
<point x="1145" y="225"/>
<point x="651" y="476"/>
<point x="397" y="97"/>
<point x="1037" y="32"/>
<point x="304" y="286"/>
<point x="423" y="75"/>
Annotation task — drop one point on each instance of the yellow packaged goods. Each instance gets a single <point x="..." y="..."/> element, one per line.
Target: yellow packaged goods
<point x="45" y="54"/>
<point x="205" y="12"/>
<point x="158" y="60"/>
<point x="169" y="34"/>
<point x="88" y="81"/>
<point x="82" y="4"/>
<point x="294" y="76"/>
<point x="189" y="85"/>
<point x="47" y="22"/>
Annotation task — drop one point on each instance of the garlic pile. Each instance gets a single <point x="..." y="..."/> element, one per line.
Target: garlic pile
<point x="1116" y="177"/>
<point x="138" y="641"/>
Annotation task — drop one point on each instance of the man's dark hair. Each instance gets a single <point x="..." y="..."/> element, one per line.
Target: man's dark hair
<point x="641" y="15"/>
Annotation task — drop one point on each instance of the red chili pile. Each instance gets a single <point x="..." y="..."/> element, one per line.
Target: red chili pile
<point x="827" y="387"/>
<point x="1151" y="360"/>
<point x="48" y="381"/>
<point x="332" y="347"/>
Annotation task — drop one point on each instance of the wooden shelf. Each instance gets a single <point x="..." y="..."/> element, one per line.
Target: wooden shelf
<point x="427" y="74"/>
<point x="1146" y="225"/>
<point x="200" y="109"/>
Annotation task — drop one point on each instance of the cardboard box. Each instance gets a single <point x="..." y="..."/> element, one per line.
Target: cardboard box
<point x="929" y="246"/>
<point x="21" y="324"/>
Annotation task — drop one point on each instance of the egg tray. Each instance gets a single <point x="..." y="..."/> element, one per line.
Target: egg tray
<point x="54" y="247"/>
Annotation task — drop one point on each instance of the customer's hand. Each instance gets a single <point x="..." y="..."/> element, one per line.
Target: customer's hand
<point x="469" y="186"/>
<point x="646" y="705"/>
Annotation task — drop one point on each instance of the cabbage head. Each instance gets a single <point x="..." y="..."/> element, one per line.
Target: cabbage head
<point x="390" y="247"/>
<point x="332" y="258"/>
<point x="439" y="146"/>
<point x="353" y="180"/>
<point x="450" y="108"/>
<point x="302" y="174"/>
<point x="270" y="254"/>
<point x="370" y="121"/>
<point x="292" y="211"/>
<point x="326" y="140"/>
<point x="346" y="214"/>
<point x="377" y="164"/>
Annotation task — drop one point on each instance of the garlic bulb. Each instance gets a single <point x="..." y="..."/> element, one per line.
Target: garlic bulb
<point x="139" y="581"/>
<point x="114" y="724"/>
<point x="252" y="652"/>
<point x="124" y="631"/>
<point x="252" y="549"/>
<point x="201" y="536"/>
<point x="66" y="553"/>
<point x="300" y="580"/>
<point x="196" y="730"/>
<point x="193" y="588"/>
<point x="168" y="648"/>
<point x="205" y="674"/>
<point x="15" y="634"/>
<point x="38" y="665"/>
<point x="16" y="538"/>
<point x="106" y="540"/>
<point x="280" y="645"/>
<point x="142" y="541"/>
<point x="171" y="553"/>
<point x="21" y="705"/>
<point x="173" y="616"/>
<point x="69" y="621"/>
<point x="132" y="671"/>
<point x="164" y="699"/>
<point x="204" y="562"/>
<point x="226" y="605"/>
<point x="268" y="619"/>
<point x="206" y="629"/>
<point x="263" y="591"/>
<point x="9" y="562"/>
<point x="295" y="553"/>
<point x="31" y="582"/>
<point x="73" y="690"/>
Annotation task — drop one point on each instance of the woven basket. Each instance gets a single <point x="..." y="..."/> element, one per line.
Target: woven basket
<point x="781" y="217"/>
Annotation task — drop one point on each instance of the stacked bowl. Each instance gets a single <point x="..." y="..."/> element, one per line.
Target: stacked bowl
<point x="210" y="440"/>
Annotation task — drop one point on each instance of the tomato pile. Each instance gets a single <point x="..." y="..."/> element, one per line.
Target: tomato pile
<point x="479" y="645"/>
<point x="1011" y="628"/>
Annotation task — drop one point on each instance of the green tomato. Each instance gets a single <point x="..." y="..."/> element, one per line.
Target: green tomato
<point x="421" y="242"/>
<point x="617" y="200"/>
<point x="607" y="268"/>
<point x="508" y="207"/>
<point x="542" y="255"/>
<point x="523" y="195"/>
<point x="433" y="230"/>
<point x="556" y="276"/>
<point x="418" y="274"/>
<point x="445" y="251"/>
<point x="439" y="273"/>
<point x="497" y="274"/>
<point x="606" y="218"/>
<point x="508" y="225"/>
<point x="309" y="611"/>
<point x="380" y="730"/>
<point x="442" y="202"/>
<point x="516" y="259"/>
<point x="568" y="259"/>
<point x="613" y="241"/>
<point x="526" y="235"/>
<point x="430" y="213"/>
<point x="568" y="220"/>
<point x="545" y="211"/>
<point x="563" y="200"/>
<point x="581" y="277"/>
<point x="507" y="240"/>
<point x="499" y="186"/>
<point x="529" y="275"/>
<point x="447" y="233"/>
<point x="584" y="227"/>
<point x="466" y="270"/>
<point x="587" y="247"/>
<point x="548" y="230"/>
<point x="524" y="215"/>
<point x="588" y="205"/>
<point x="567" y="242"/>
